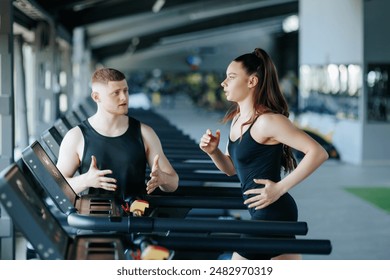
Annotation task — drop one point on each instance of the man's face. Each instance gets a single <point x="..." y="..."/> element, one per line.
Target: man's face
<point x="113" y="97"/>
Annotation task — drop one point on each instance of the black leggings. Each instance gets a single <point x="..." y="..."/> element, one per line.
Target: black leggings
<point x="284" y="209"/>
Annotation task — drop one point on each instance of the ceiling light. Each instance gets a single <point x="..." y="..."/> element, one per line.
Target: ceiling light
<point x="291" y="24"/>
<point x="158" y="5"/>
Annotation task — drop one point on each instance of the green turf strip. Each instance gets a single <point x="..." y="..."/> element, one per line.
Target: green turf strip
<point x="379" y="196"/>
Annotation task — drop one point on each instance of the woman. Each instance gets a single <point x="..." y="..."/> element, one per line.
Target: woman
<point x="260" y="142"/>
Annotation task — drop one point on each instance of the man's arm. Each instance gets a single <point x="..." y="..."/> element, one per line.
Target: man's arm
<point x="162" y="173"/>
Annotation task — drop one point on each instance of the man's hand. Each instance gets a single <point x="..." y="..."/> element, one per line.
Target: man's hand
<point x="96" y="178"/>
<point x="156" y="176"/>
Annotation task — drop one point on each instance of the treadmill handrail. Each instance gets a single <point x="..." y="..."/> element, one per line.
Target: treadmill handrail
<point x="150" y="224"/>
<point x="195" y="202"/>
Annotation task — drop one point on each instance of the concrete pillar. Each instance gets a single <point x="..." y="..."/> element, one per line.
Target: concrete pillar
<point x="350" y="32"/>
<point x="331" y="43"/>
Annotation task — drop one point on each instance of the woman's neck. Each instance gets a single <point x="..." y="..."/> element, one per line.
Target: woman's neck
<point x="246" y="110"/>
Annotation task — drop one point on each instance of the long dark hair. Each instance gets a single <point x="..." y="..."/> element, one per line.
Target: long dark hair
<point x="268" y="96"/>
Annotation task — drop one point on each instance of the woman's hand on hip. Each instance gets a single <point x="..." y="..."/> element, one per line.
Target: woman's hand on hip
<point x="262" y="197"/>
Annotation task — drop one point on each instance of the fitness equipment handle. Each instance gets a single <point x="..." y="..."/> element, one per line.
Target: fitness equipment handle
<point x="150" y="224"/>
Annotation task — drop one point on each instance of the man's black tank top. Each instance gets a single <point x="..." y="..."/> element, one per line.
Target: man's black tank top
<point x="124" y="155"/>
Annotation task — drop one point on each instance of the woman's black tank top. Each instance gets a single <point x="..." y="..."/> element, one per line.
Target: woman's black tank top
<point x="253" y="160"/>
<point x="124" y="155"/>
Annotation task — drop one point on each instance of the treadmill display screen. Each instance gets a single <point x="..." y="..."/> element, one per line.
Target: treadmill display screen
<point x="32" y="216"/>
<point x="53" y="170"/>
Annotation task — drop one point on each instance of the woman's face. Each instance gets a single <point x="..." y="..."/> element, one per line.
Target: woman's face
<point x="235" y="85"/>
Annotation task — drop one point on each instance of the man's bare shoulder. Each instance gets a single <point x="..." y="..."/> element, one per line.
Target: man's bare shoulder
<point x="146" y="129"/>
<point x="149" y="135"/>
<point x="73" y="135"/>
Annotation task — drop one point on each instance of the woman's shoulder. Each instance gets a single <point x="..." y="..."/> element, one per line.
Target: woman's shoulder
<point x="271" y="124"/>
<point x="271" y="118"/>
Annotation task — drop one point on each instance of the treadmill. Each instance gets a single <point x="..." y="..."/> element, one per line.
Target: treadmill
<point x="100" y="213"/>
<point x="34" y="219"/>
<point x="50" y="240"/>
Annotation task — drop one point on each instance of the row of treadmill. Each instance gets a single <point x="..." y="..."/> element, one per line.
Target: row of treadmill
<point x="199" y="221"/>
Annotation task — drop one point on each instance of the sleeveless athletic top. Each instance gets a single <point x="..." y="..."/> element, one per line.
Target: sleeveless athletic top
<point x="253" y="160"/>
<point x="124" y="155"/>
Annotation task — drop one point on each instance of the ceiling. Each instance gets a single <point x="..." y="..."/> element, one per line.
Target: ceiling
<point x="116" y="28"/>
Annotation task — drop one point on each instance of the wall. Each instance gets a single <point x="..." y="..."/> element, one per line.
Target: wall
<point x="332" y="32"/>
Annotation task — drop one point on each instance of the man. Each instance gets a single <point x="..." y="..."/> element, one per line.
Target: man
<point x="110" y="149"/>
